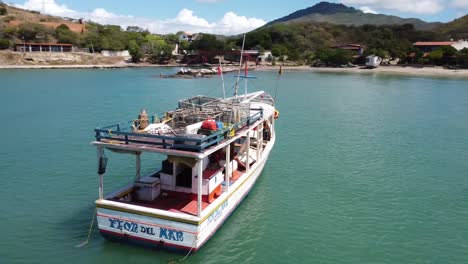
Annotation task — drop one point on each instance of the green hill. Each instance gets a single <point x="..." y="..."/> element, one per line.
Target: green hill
<point x="339" y="14"/>
<point x="457" y="29"/>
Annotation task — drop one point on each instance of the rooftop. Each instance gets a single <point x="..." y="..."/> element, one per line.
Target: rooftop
<point x="44" y="44"/>
<point x="440" y="43"/>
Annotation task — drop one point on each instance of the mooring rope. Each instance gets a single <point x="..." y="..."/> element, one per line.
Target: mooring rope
<point x="90" y="229"/>
<point x="186" y="256"/>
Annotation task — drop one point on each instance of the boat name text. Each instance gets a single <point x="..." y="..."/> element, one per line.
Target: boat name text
<point x="216" y="214"/>
<point x="164" y="233"/>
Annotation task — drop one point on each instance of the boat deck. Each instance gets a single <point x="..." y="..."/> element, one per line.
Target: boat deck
<point x="173" y="202"/>
<point x="177" y="202"/>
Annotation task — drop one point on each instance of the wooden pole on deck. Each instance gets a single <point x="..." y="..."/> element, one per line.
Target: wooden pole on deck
<point x="258" y="141"/>
<point x="247" y="152"/>
<point x="200" y="187"/>
<point x="228" y="167"/>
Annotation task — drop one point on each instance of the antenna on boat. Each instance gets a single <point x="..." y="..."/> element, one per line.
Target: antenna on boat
<point x="240" y="66"/>
<point x="220" y="72"/>
<point x="245" y="79"/>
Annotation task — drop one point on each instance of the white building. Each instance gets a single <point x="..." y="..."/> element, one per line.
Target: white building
<point x="461" y="44"/>
<point x="121" y="53"/>
<point x="265" y="56"/>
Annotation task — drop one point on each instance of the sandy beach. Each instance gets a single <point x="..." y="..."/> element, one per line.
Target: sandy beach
<point x="391" y="70"/>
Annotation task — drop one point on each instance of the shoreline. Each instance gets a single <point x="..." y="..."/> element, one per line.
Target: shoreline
<point x="384" y="70"/>
<point x="388" y="70"/>
<point x="86" y="66"/>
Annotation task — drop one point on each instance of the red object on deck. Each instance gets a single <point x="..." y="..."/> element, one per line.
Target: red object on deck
<point x="209" y="124"/>
<point x="192" y="207"/>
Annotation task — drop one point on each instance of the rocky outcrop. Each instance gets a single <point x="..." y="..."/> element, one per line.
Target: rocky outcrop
<point x="204" y="72"/>
<point x="56" y="58"/>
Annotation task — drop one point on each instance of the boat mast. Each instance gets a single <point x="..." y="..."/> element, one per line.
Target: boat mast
<point x="240" y="66"/>
<point x="245" y="78"/>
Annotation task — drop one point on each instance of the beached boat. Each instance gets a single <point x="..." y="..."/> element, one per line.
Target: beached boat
<point x="210" y="152"/>
<point x="373" y="61"/>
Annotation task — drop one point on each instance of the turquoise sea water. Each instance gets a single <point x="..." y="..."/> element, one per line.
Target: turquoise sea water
<point x="366" y="168"/>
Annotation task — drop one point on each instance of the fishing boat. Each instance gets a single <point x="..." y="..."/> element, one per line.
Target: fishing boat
<point x="208" y="153"/>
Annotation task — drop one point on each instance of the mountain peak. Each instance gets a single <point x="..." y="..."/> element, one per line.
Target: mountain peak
<point x="330" y="8"/>
<point x="339" y="14"/>
<point x="322" y="8"/>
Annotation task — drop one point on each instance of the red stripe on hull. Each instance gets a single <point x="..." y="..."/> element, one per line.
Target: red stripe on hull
<point x="107" y="233"/>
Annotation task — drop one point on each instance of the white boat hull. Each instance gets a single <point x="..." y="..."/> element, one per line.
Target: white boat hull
<point x="131" y="224"/>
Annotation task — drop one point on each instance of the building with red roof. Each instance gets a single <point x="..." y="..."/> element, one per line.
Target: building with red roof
<point x="46" y="47"/>
<point x="430" y="46"/>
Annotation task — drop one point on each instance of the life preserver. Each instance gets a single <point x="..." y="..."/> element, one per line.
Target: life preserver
<point x="276" y="115"/>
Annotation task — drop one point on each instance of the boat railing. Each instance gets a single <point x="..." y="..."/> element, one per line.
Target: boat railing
<point x="122" y="133"/>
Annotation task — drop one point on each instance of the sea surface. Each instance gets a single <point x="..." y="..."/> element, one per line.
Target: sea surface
<point x="366" y="168"/>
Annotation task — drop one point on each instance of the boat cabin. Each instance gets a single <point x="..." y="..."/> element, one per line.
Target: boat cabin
<point x="206" y="146"/>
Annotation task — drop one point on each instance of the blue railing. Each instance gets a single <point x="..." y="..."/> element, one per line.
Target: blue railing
<point x="122" y="134"/>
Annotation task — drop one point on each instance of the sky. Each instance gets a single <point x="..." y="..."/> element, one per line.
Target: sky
<point x="227" y="17"/>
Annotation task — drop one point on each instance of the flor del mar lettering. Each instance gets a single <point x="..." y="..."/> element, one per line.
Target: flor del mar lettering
<point x="164" y="233"/>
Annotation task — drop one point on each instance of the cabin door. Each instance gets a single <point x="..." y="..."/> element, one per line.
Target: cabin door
<point x="183" y="176"/>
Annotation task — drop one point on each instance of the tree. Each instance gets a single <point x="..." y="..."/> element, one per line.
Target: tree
<point x="135" y="51"/>
<point x="184" y="45"/>
<point x="161" y="53"/>
<point x="63" y="34"/>
<point x="135" y="29"/>
<point x="377" y="52"/>
<point x="207" y="42"/>
<point x="3" y="10"/>
<point x="32" y="31"/>
<point x="436" y="57"/>
<point x="9" y="32"/>
<point x="172" y="38"/>
<point x="333" y="57"/>
<point x="443" y="55"/>
<point x="4" y="44"/>
<point x="448" y="51"/>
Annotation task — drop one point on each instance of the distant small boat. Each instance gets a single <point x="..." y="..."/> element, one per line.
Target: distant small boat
<point x="373" y="61"/>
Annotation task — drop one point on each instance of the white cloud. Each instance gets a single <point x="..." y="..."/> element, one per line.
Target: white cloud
<point x="367" y="9"/>
<point x="459" y="3"/>
<point x="185" y="20"/>
<point x="407" y="6"/>
<point x="47" y="6"/>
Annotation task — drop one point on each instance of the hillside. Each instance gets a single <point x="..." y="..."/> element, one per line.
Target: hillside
<point x="457" y="29"/>
<point x="339" y="14"/>
<point x="16" y="16"/>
